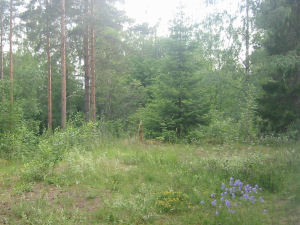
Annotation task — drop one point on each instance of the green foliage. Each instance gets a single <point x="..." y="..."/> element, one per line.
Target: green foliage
<point x="279" y="104"/>
<point x="52" y="149"/>
<point x="18" y="139"/>
<point x="178" y="104"/>
<point x="172" y="84"/>
<point x="20" y="144"/>
<point x="220" y="130"/>
<point x="189" y="86"/>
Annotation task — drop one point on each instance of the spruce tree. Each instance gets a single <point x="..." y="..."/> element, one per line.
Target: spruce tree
<point x="280" y="103"/>
<point x="178" y="105"/>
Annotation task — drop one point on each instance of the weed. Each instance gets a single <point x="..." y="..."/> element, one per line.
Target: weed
<point x="172" y="201"/>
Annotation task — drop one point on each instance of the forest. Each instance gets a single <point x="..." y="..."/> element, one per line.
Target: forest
<point x="103" y="120"/>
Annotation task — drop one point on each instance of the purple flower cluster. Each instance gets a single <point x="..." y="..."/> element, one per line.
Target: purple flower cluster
<point x="214" y="202"/>
<point x="235" y="188"/>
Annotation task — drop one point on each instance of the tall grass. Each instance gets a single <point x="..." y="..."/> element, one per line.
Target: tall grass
<point x="119" y="181"/>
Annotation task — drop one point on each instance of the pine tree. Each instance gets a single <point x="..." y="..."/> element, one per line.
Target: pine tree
<point x="49" y="69"/>
<point x="4" y="14"/>
<point x="63" y="67"/>
<point x="247" y="97"/>
<point x="1" y="43"/>
<point x="93" y="72"/>
<point x="11" y="75"/>
<point x="86" y="61"/>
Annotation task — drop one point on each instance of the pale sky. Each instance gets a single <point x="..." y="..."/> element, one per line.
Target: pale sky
<point x="154" y="11"/>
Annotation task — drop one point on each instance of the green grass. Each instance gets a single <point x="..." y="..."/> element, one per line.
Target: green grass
<point x="123" y="182"/>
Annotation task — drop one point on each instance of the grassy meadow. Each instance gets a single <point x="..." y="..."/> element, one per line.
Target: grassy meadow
<point x="215" y="97"/>
<point x="96" y="180"/>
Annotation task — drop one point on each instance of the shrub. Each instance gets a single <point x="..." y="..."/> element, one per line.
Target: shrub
<point x="20" y="144"/>
<point x="219" y="130"/>
<point x="52" y="149"/>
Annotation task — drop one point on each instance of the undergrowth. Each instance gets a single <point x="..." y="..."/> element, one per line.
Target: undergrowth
<point x="98" y="179"/>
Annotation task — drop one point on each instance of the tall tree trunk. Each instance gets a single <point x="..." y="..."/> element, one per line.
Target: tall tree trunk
<point x="247" y="39"/>
<point x="63" y="67"/>
<point x="49" y="72"/>
<point x="86" y="61"/>
<point x="1" y="47"/>
<point x="11" y="75"/>
<point x="247" y="69"/>
<point x="93" y="73"/>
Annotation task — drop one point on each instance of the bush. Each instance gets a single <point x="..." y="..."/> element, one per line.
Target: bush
<point x="20" y="144"/>
<point x="52" y="149"/>
<point x="18" y="138"/>
<point x="220" y="130"/>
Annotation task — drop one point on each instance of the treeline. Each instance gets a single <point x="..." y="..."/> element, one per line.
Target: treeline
<point x="213" y="81"/>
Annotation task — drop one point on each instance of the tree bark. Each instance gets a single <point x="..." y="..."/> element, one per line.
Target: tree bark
<point x="86" y="62"/>
<point x="93" y="72"/>
<point x="247" y="39"/>
<point x="140" y="131"/>
<point x="11" y="75"/>
<point x="49" y="72"/>
<point x="63" y="67"/>
<point x="1" y="48"/>
<point x="247" y="68"/>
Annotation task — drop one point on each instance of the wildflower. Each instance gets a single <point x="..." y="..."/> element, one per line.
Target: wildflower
<point x="231" y="211"/>
<point x="251" y="198"/>
<point x="237" y="183"/>
<point x="240" y="184"/>
<point x="261" y="199"/>
<point x="247" y="188"/>
<point x="223" y="186"/>
<point x="222" y="198"/>
<point x="212" y="195"/>
<point x="214" y="203"/>
<point x="202" y="202"/>
<point x="227" y="202"/>
<point x="265" y="211"/>
<point x="233" y="195"/>
<point x="217" y="213"/>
